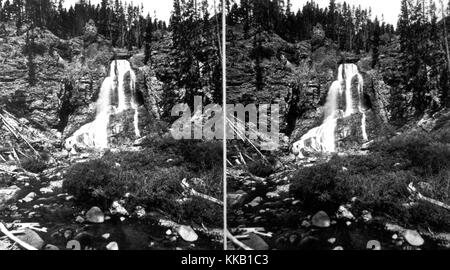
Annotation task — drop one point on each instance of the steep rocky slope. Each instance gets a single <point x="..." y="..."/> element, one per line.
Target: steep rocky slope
<point x="68" y="75"/>
<point x="298" y="77"/>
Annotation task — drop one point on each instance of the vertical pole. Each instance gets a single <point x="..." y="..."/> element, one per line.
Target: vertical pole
<point x="224" y="115"/>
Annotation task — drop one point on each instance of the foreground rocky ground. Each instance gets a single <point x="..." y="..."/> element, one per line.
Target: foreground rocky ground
<point x="265" y="215"/>
<point x="36" y="210"/>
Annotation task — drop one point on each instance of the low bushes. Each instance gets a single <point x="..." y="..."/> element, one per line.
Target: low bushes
<point x="152" y="178"/>
<point x="427" y="153"/>
<point x="320" y="187"/>
<point x="260" y="168"/>
<point x="380" y="180"/>
<point x="34" y="165"/>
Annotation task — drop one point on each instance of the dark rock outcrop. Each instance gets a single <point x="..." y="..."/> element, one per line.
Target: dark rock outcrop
<point x="68" y="76"/>
<point x="298" y="77"/>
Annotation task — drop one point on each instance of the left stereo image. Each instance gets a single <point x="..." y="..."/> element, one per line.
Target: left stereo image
<point x="106" y="108"/>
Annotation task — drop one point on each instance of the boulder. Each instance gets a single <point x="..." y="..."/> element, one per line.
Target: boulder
<point x="256" y="202"/>
<point x="374" y="245"/>
<point x="273" y="195"/>
<point x="30" y="197"/>
<point x="45" y="190"/>
<point x="32" y="238"/>
<point x="8" y="194"/>
<point x="112" y="246"/>
<point x="237" y="198"/>
<point x="79" y="219"/>
<point x="51" y="247"/>
<point x="413" y="238"/>
<point x="344" y="213"/>
<point x="321" y="220"/>
<point x="118" y="209"/>
<point x="187" y="233"/>
<point x="255" y="242"/>
<point x="95" y="215"/>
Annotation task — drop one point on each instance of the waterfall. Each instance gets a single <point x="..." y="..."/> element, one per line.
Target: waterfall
<point x="122" y="67"/>
<point x="95" y="134"/>
<point x="119" y="68"/>
<point x="322" y="138"/>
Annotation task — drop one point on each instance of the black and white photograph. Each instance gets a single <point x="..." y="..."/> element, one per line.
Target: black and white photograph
<point x="225" y="126"/>
<point x="87" y="159"/>
<point x="364" y="125"/>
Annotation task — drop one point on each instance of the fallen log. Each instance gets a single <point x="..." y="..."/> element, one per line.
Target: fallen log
<point x="194" y="193"/>
<point x="235" y="241"/>
<point x="415" y="193"/>
<point x="258" y="231"/>
<point x="16" y="133"/>
<point x="21" y="243"/>
<point x="213" y="233"/>
<point x="214" y="200"/>
<point x="31" y="226"/>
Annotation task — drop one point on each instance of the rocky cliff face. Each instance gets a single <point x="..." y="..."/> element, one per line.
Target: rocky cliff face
<point x="298" y="77"/>
<point x="68" y="77"/>
<point x="68" y="74"/>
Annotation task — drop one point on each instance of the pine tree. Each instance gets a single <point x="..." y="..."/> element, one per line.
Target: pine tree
<point x="375" y="43"/>
<point x="148" y="39"/>
<point x="6" y="11"/>
<point x="18" y="9"/>
<point x="403" y="24"/>
<point x="175" y="23"/>
<point x="246" y="7"/>
<point x="257" y="48"/>
<point x="104" y="13"/>
<point x="1" y="10"/>
<point x="30" y="45"/>
<point x="331" y="20"/>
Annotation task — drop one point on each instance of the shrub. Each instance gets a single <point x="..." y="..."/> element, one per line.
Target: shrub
<point x="368" y="164"/>
<point x="150" y="180"/>
<point x="101" y="182"/>
<point x="202" y="155"/>
<point x="426" y="153"/>
<point x="260" y="168"/>
<point x="93" y="182"/>
<point x="429" y="216"/>
<point x="379" y="186"/>
<point x="200" y="211"/>
<point x="213" y="182"/>
<point x="320" y="187"/>
<point x="34" y="165"/>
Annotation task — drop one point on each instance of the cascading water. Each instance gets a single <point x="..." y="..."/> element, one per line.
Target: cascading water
<point x="95" y="134"/>
<point x="322" y="138"/>
<point x="121" y="68"/>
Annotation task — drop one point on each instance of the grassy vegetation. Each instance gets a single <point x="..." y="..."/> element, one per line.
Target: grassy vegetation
<point x="379" y="180"/>
<point x="34" y="165"/>
<point x="260" y="168"/>
<point x="152" y="177"/>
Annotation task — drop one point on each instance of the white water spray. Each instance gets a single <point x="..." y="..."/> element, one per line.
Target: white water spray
<point x="95" y="134"/>
<point x="322" y="138"/>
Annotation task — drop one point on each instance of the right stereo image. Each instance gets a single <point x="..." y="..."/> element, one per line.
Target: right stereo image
<point x="338" y="125"/>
